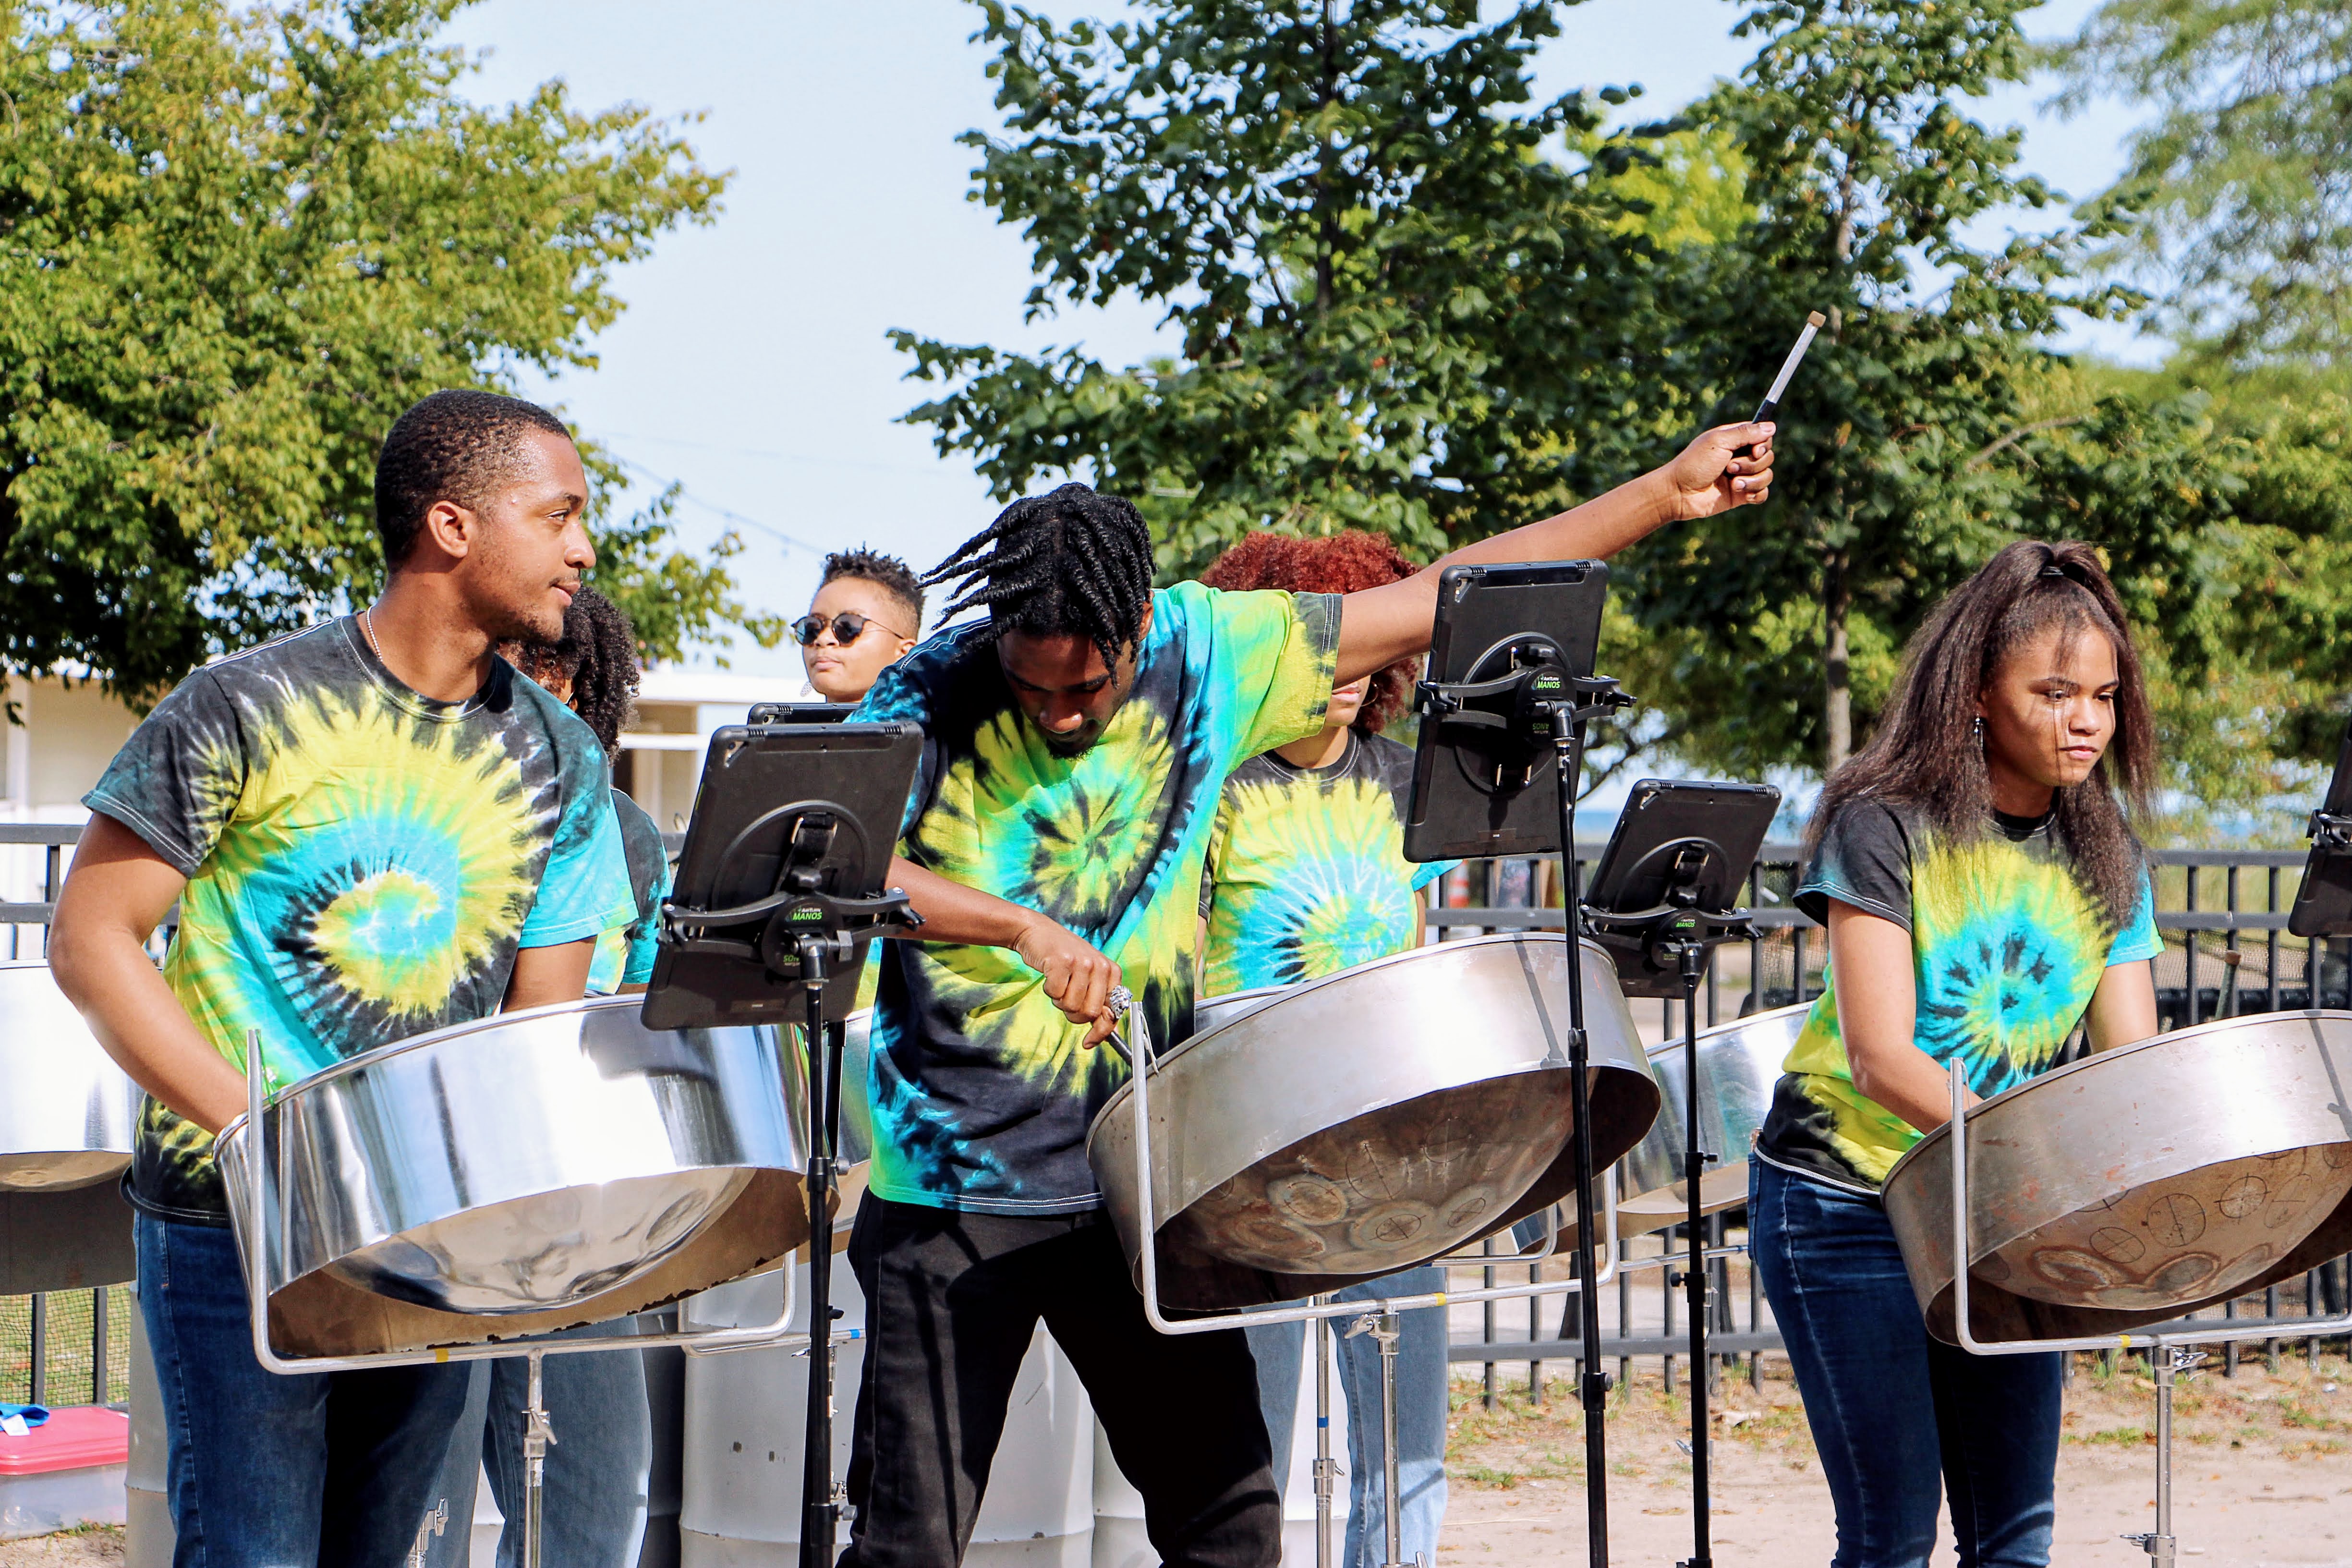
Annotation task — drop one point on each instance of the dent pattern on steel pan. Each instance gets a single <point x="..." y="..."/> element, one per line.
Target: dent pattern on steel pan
<point x="523" y="1172"/>
<point x="2141" y="1183"/>
<point x="1369" y="1121"/>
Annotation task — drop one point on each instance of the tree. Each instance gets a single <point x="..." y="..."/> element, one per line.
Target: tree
<point x="1909" y="448"/>
<point x="1394" y="305"/>
<point x="234" y="243"/>
<point x="2244" y="182"/>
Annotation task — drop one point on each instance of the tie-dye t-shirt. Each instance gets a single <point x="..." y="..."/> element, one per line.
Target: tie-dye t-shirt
<point x="981" y="1090"/>
<point x="2007" y="947"/>
<point x="624" y="955"/>
<point x="363" y="862"/>
<point x="1307" y="872"/>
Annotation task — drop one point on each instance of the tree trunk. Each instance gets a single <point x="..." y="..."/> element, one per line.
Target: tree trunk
<point x="1837" y="705"/>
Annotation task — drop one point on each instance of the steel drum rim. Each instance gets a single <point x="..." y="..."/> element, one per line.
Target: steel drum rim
<point x="1163" y="1055"/>
<point x="344" y="1069"/>
<point x="1626" y="1099"/>
<point x="2195" y="1031"/>
<point x="416" y="1190"/>
<point x="2000" y="1315"/>
<point x="1674" y="1047"/>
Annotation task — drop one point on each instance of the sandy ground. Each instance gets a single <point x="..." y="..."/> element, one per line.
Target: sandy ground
<point x="2263" y="1474"/>
<point x="80" y="1548"/>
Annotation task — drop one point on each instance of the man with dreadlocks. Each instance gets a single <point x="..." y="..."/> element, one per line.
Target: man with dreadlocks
<point x="1075" y="744"/>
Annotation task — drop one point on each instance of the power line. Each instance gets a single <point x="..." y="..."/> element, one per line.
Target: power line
<point x="718" y="510"/>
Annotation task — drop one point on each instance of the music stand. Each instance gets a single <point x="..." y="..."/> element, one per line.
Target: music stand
<point x="2323" y="902"/>
<point x="1664" y="895"/>
<point x="1511" y="686"/>
<point x="779" y="890"/>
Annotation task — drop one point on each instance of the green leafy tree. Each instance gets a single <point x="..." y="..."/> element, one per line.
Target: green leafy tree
<point x="1909" y="446"/>
<point x="234" y="243"/>
<point x="2242" y="181"/>
<point x="1396" y="303"/>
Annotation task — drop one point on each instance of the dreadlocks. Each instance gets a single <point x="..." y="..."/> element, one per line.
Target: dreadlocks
<point x="598" y="655"/>
<point x="1068" y="563"/>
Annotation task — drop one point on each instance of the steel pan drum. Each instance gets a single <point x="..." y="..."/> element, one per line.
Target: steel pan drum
<point x="66" y="1110"/>
<point x="527" y="1172"/>
<point x="1370" y="1120"/>
<point x="2140" y="1184"/>
<point x="1738" y="1063"/>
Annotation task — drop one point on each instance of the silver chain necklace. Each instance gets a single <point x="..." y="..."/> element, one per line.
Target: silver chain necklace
<point x="367" y="629"/>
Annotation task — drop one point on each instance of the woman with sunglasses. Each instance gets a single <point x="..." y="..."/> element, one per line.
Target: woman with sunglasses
<point x="864" y="619"/>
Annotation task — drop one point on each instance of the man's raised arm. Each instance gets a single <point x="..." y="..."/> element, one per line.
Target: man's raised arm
<point x="1381" y="625"/>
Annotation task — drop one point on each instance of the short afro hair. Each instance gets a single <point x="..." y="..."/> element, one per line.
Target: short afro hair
<point x="452" y="445"/>
<point x="888" y="572"/>
<point x="598" y="655"/>
<point x="1344" y="563"/>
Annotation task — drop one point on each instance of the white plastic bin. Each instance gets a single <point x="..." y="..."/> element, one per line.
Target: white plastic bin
<point x="745" y="1417"/>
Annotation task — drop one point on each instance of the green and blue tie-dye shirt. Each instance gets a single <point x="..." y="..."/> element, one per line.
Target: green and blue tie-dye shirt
<point x="363" y="862"/>
<point x="1307" y="874"/>
<point x="2007" y="946"/>
<point x="624" y="955"/>
<point x="981" y="1090"/>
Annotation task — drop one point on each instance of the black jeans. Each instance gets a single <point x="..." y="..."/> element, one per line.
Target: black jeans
<point x="952" y="1300"/>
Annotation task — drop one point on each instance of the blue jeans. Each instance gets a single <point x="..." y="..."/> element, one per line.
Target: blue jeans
<point x="322" y="1470"/>
<point x="1895" y="1411"/>
<point x="1420" y="1376"/>
<point x="598" y="1470"/>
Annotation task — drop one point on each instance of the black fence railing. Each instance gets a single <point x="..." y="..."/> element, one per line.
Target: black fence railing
<point x="2227" y="952"/>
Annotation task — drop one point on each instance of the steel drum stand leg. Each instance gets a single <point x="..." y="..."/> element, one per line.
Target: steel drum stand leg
<point x="1382" y="1327"/>
<point x="1694" y="1280"/>
<point x="821" y="1499"/>
<point x="1592" y="1383"/>
<point x="538" y="1433"/>
<point x="1325" y="1468"/>
<point x="2164" y="1362"/>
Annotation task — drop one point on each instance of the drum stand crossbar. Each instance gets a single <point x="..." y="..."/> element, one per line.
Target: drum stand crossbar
<point x="2167" y="1353"/>
<point x="256" y="1215"/>
<point x="1679" y="934"/>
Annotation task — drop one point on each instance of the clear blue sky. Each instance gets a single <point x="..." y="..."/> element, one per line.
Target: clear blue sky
<point x="751" y="364"/>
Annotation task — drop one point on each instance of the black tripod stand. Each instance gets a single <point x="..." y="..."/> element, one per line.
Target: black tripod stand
<point x="803" y="935"/>
<point x="1510" y="721"/>
<point x="1674" y="937"/>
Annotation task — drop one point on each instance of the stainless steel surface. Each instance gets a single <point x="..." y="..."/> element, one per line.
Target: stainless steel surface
<point x="67" y="1110"/>
<point x="1738" y="1063"/>
<point x="521" y="1173"/>
<point x="1370" y="1120"/>
<point x="2141" y="1183"/>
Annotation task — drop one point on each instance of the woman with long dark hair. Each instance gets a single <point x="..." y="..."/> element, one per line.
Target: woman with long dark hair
<point x="1985" y="896"/>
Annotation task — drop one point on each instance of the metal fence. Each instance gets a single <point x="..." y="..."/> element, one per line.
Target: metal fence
<point x="2227" y="951"/>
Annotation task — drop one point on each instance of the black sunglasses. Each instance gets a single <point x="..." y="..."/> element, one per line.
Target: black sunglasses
<point x="847" y="628"/>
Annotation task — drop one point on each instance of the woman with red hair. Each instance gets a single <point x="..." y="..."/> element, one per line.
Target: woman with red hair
<point x="1307" y="875"/>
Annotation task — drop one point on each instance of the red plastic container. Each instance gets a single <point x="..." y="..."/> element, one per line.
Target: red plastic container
<point x="65" y="1473"/>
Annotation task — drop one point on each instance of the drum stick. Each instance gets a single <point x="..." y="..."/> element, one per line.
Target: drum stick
<point x="1770" y="407"/>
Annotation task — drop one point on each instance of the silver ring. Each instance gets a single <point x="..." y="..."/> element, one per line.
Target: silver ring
<point x="1119" y="1000"/>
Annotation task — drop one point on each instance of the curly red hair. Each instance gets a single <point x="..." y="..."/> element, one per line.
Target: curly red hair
<point x="1343" y="563"/>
